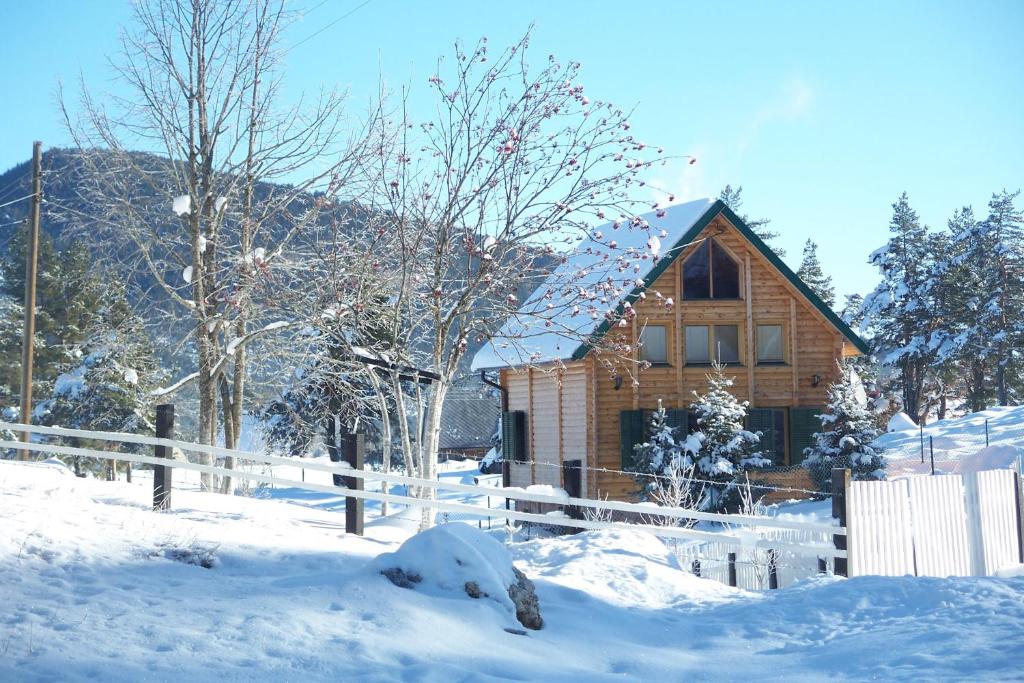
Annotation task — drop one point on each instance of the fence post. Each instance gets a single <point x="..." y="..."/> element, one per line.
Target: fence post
<point x="352" y="447"/>
<point x="1019" y="497"/>
<point x="840" y="484"/>
<point x="732" y="569"/>
<point x="921" y="428"/>
<point x="696" y="567"/>
<point x="506" y="482"/>
<point x="572" y="479"/>
<point x="773" y="570"/>
<point x="161" y="474"/>
<point x="822" y="566"/>
<point x="931" y="452"/>
<point x="986" y="432"/>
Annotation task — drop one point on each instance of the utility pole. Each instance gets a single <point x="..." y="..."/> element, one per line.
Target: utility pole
<point x="31" y="260"/>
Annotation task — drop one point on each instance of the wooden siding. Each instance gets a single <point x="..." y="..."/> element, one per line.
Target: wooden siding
<point x="812" y="346"/>
<point x="558" y="411"/>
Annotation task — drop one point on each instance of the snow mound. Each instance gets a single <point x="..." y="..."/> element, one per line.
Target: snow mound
<point x="992" y="458"/>
<point x="441" y="561"/>
<point x="900" y="422"/>
<point x="625" y="568"/>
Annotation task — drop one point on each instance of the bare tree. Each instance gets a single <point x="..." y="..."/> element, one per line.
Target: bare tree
<point x="516" y="167"/>
<point x="206" y="217"/>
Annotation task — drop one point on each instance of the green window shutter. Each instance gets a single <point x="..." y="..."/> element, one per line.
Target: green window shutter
<point x="762" y="420"/>
<point x="678" y="419"/>
<point x="803" y="424"/>
<point x="631" y="433"/>
<point x="513" y="436"/>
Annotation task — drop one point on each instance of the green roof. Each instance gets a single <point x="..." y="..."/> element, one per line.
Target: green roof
<point x="716" y="209"/>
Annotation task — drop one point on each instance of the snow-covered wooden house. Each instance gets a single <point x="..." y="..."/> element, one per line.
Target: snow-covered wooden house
<point x="732" y="299"/>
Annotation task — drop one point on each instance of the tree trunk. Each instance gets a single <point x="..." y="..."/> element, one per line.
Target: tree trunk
<point x="431" y="443"/>
<point x="230" y="435"/>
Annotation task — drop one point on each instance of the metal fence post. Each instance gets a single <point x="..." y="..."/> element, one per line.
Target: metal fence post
<point x="931" y="452"/>
<point x="840" y="484"/>
<point x="732" y="569"/>
<point x="352" y="452"/>
<point x="161" y="474"/>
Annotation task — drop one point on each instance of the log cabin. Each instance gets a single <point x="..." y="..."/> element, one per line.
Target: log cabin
<point x="718" y="293"/>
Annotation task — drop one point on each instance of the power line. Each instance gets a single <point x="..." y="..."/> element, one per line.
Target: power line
<point x="19" y="199"/>
<point x="343" y="16"/>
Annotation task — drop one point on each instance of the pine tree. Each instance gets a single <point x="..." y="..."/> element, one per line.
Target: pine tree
<point x="734" y="200"/>
<point x="814" y="277"/>
<point x="851" y="313"/>
<point x="899" y="310"/>
<point x="992" y="253"/>
<point x="847" y="433"/>
<point x="106" y="384"/>
<point x="727" y="449"/>
<point x="68" y="295"/>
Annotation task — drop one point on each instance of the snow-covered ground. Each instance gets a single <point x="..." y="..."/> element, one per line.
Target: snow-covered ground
<point x="959" y="443"/>
<point x="95" y="586"/>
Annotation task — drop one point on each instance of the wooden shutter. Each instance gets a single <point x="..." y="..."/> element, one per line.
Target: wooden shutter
<point x="763" y="420"/>
<point x="631" y="433"/>
<point x="803" y="424"/>
<point x="513" y="436"/>
<point x="678" y="419"/>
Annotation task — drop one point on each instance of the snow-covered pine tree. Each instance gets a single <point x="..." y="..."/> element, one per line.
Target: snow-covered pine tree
<point x="899" y="312"/>
<point x="992" y="253"/>
<point x="664" y="467"/>
<point x="847" y="432"/>
<point x="727" y="449"/>
<point x="733" y="198"/>
<point x="957" y="286"/>
<point x="814" y="277"/>
<point x="851" y="313"/>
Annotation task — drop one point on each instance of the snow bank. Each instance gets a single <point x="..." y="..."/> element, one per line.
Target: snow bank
<point x="447" y="557"/>
<point x="992" y="458"/>
<point x="626" y="568"/>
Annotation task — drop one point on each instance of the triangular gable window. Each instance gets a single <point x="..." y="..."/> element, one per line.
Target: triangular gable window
<point x="710" y="273"/>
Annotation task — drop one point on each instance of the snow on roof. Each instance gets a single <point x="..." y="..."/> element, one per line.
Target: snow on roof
<point x="594" y="279"/>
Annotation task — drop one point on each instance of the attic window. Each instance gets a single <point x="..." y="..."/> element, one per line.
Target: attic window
<point x="710" y="273"/>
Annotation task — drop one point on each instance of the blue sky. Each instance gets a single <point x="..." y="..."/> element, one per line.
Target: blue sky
<point x="824" y="112"/>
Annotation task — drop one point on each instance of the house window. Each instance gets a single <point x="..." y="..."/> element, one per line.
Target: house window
<point x="769" y="344"/>
<point x="707" y="342"/>
<point x="710" y="273"/>
<point x="654" y="344"/>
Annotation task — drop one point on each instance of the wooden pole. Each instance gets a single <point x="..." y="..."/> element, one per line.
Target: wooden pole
<point x="31" y="261"/>
<point x="162" y="475"/>
<point x="840" y="484"/>
<point x="732" y="569"/>
<point x="572" y="481"/>
<point x="352" y="452"/>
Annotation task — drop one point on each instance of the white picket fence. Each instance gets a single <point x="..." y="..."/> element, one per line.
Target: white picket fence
<point x="947" y="525"/>
<point x="756" y="540"/>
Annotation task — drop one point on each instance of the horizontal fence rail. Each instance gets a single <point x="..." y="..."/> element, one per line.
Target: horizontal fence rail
<point x="647" y="511"/>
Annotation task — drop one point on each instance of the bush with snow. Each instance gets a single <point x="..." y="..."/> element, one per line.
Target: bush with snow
<point x="453" y="560"/>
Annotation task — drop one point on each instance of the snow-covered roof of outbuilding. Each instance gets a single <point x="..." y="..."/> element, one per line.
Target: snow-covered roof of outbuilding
<point x="613" y="267"/>
<point x="621" y="255"/>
